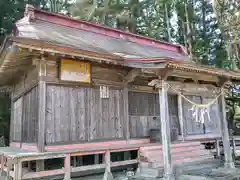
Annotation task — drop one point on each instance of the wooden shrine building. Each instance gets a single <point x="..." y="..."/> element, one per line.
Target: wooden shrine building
<point x="83" y="89"/>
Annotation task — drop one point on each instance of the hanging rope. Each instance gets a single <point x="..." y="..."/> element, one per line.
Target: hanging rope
<point x="204" y="108"/>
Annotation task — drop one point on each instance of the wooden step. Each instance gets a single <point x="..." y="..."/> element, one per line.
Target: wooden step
<point x="159" y="152"/>
<point x="190" y="159"/>
<point x="183" y="162"/>
<point x="176" y="158"/>
<point x="157" y="156"/>
<point x="182" y="144"/>
<point x="187" y="152"/>
<point x="179" y="156"/>
<point x="149" y="173"/>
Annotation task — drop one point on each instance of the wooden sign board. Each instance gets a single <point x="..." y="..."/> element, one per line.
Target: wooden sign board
<point x="76" y="71"/>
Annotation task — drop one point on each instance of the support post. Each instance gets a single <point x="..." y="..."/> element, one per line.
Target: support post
<point x="108" y="174"/>
<point x="11" y="118"/>
<point x="9" y="168"/>
<point x="67" y="167"/>
<point x="41" y="114"/>
<point x="234" y="146"/>
<point x="180" y="117"/>
<point x="225" y="133"/>
<point x="126" y="113"/>
<point x="18" y="170"/>
<point x="29" y="166"/>
<point x="218" y="153"/>
<point x="80" y="161"/>
<point x="2" y="164"/>
<point x="96" y="159"/>
<point x="165" y="128"/>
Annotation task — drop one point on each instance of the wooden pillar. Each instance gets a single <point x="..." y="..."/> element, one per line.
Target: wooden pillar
<point x="225" y="133"/>
<point x="67" y="167"/>
<point x="41" y="65"/>
<point x="126" y="113"/>
<point x="41" y="114"/>
<point x="180" y="117"/>
<point x="165" y="128"/>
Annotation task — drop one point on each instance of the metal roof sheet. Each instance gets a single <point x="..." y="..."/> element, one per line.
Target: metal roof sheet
<point x="90" y="41"/>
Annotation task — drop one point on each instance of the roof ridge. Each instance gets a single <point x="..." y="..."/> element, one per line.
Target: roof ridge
<point x="35" y="13"/>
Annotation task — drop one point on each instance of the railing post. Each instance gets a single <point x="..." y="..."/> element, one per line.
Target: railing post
<point x="234" y="146"/>
<point x="217" y="148"/>
<point x="18" y="170"/>
<point x="2" y="164"/>
<point x="107" y="175"/>
<point x="67" y="167"/>
<point x="9" y="167"/>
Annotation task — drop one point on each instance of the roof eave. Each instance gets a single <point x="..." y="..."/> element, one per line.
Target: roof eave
<point x="43" y="46"/>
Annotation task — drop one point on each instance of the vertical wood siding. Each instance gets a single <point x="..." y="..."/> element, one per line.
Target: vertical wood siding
<point x="173" y="113"/>
<point x="213" y="124"/>
<point x="144" y="112"/>
<point x="17" y="119"/>
<point x="30" y="116"/>
<point x="195" y="128"/>
<point x="28" y="80"/>
<point x="79" y="114"/>
<point x="25" y="117"/>
<point x="192" y="127"/>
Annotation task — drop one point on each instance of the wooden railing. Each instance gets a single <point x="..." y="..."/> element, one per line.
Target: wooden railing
<point x="12" y="163"/>
<point x="234" y="144"/>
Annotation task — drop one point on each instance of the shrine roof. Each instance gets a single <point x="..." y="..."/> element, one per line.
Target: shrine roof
<point x="40" y="32"/>
<point x="70" y="33"/>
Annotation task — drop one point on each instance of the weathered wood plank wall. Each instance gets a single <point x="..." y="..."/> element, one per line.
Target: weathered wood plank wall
<point x="79" y="114"/>
<point x="196" y="128"/>
<point x="144" y="113"/>
<point x="30" y="116"/>
<point x="17" y="120"/>
<point x="25" y="121"/>
<point x="25" y="82"/>
<point x="213" y="124"/>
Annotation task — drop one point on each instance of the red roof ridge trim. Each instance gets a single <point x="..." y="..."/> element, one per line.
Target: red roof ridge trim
<point x="34" y="13"/>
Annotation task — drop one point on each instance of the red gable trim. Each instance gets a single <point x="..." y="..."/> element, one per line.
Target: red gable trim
<point x="34" y="13"/>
